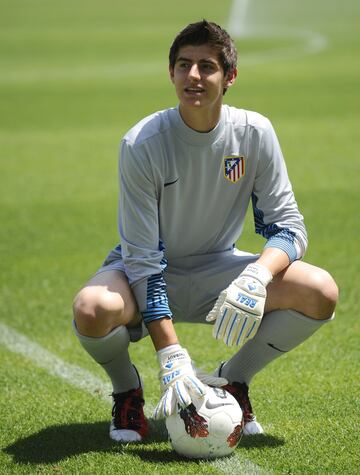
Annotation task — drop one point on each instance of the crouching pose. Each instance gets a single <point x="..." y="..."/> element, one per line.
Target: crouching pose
<point x="187" y="176"/>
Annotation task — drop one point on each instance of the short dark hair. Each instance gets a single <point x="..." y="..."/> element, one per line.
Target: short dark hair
<point x="205" y="32"/>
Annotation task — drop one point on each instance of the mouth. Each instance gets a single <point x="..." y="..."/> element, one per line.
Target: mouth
<point x="194" y="90"/>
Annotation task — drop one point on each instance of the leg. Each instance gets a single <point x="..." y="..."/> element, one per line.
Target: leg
<point x="300" y="300"/>
<point x="103" y="311"/>
<point x="304" y="288"/>
<point x="104" y="303"/>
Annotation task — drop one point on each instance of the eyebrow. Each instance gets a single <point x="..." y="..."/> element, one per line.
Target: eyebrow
<point x="205" y="60"/>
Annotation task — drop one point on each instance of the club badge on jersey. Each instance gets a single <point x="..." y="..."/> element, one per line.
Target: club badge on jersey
<point x="234" y="168"/>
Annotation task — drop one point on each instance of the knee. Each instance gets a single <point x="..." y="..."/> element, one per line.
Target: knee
<point x="95" y="310"/>
<point x="325" y="294"/>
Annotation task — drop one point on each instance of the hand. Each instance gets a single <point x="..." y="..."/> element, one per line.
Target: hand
<point x="178" y="381"/>
<point x="240" y="307"/>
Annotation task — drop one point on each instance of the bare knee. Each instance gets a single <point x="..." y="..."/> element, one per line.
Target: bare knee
<point x="324" y="294"/>
<point x="97" y="311"/>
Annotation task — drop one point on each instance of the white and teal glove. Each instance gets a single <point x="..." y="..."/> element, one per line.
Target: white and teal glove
<point x="180" y="381"/>
<point x="240" y="307"/>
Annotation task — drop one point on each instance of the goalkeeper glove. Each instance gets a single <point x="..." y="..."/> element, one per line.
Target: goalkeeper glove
<point x="180" y="381"/>
<point x="240" y="307"/>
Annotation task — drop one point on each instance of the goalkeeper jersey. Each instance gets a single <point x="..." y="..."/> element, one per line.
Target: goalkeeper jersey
<point x="186" y="193"/>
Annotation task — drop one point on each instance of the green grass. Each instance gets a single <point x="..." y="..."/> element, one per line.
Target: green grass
<point x="74" y="77"/>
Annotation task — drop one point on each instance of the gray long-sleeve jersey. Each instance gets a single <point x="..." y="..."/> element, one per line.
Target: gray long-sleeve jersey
<point x="185" y="193"/>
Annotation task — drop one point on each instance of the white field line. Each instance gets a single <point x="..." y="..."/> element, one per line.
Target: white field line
<point x="237" y="465"/>
<point x="72" y="374"/>
<point x="83" y="379"/>
<point x="237" y="22"/>
<point x="306" y="42"/>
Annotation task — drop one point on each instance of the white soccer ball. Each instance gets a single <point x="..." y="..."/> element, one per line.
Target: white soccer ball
<point x="210" y="427"/>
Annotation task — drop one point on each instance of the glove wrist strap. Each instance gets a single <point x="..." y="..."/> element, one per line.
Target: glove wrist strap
<point x="168" y="349"/>
<point x="172" y="353"/>
<point x="258" y="272"/>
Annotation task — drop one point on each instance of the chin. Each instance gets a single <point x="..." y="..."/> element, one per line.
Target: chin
<point x="192" y="103"/>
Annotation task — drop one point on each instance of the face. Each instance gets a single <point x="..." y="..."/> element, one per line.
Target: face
<point x="199" y="78"/>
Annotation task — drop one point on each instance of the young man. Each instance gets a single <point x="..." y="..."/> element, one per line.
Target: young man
<point x="187" y="176"/>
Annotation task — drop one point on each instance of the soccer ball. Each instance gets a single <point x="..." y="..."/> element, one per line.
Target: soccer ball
<point x="210" y="427"/>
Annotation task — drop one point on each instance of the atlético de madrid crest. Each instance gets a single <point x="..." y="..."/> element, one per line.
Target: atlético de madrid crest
<point x="234" y="168"/>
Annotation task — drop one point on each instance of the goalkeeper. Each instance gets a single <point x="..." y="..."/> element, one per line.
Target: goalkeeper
<point x="187" y="176"/>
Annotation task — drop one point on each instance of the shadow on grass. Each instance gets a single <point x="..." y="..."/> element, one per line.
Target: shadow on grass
<point x="56" y="443"/>
<point x="59" y="442"/>
<point x="261" y="440"/>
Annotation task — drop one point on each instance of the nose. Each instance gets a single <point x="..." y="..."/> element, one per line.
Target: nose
<point x="194" y="72"/>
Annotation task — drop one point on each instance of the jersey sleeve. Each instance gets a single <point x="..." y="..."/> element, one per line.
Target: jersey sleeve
<point x="142" y="251"/>
<point x="276" y="214"/>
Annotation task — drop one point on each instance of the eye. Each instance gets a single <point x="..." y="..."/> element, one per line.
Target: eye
<point x="183" y="65"/>
<point x="208" y="67"/>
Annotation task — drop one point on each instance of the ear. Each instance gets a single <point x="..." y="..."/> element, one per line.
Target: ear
<point x="230" y="78"/>
<point x="171" y="73"/>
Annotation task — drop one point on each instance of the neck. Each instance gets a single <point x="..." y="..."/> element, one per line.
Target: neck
<point x="200" y="120"/>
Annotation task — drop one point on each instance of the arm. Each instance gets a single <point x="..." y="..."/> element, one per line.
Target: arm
<point x="274" y="259"/>
<point x="162" y="333"/>
<point x="240" y="307"/>
<point x="276" y="214"/>
<point x="141" y="247"/>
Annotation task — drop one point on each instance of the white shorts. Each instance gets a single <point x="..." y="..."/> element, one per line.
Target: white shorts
<point x="194" y="282"/>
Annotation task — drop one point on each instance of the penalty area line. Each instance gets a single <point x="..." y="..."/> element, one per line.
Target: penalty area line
<point x="82" y="379"/>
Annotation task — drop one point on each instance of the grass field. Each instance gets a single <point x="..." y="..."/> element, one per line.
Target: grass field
<point x="74" y="76"/>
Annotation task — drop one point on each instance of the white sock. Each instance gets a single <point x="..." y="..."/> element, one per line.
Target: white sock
<point x="111" y="352"/>
<point x="280" y="331"/>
